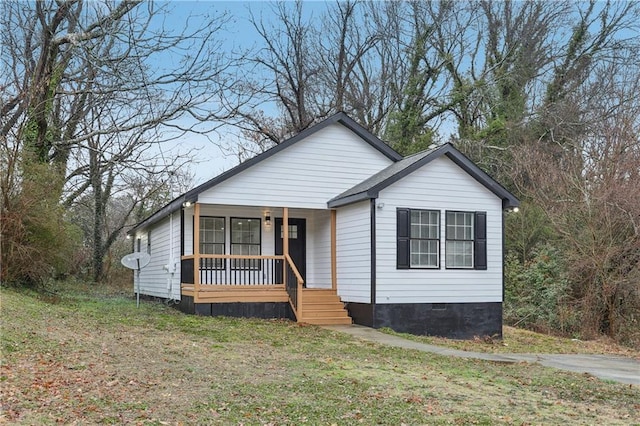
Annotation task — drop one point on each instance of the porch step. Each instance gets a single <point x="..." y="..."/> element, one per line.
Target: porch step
<point x="323" y="307"/>
<point x="327" y="321"/>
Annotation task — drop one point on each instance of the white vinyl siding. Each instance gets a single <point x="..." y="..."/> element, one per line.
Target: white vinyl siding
<point x="304" y="175"/>
<point x="354" y="252"/>
<point x="440" y="185"/>
<point x="318" y="249"/>
<point x="161" y="277"/>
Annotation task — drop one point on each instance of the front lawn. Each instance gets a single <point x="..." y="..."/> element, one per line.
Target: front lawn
<point x="99" y="359"/>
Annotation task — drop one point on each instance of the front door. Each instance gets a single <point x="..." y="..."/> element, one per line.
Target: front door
<point x="297" y="243"/>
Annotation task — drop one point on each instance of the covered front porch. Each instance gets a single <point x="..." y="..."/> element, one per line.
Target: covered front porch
<point x="255" y="261"/>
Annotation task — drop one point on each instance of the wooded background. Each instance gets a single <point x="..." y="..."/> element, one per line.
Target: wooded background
<point x="542" y="95"/>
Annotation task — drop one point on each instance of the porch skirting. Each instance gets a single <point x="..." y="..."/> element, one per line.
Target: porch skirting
<point x="451" y="320"/>
<point x="263" y="310"/>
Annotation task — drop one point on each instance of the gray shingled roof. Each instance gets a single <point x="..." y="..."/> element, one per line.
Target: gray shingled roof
<point x="370" y="188"/>
<point x="381" y="176"/>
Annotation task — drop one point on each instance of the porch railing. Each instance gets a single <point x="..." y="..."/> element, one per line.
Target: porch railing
<point x="250" y="271"/>
<point x="221" y="269"/>
<point x="293" y="284"/>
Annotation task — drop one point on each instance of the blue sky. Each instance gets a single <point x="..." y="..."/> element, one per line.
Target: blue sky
<point x="240" y="35"/>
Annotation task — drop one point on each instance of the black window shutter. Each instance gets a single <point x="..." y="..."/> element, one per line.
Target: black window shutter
<point x="403" y="234"/>
<point x="480" y="243"/>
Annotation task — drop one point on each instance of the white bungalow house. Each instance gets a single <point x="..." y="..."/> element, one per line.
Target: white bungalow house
<point x="334" y="226"/>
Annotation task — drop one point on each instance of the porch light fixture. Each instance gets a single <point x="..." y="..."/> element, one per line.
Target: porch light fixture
<point x="128" y="236"/>
<point x="516" y="210"/>
<point x="267" y="219"/>
<point x="186" y="204"/>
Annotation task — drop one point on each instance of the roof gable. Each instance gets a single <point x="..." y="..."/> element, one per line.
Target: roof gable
<point x="371" y="187"/>
<point x="340" y="118"/>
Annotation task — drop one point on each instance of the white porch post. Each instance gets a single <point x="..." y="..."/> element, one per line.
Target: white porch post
<point x="334" y="272"/>
<point x="285" y="243"/>
<point x="285" y="231"/>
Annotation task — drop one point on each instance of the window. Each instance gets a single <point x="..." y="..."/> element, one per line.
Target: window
<point x="460" y="239"/>
<point x="212" y="240"/>
<point x="425" y="238"/>
<point x="418" y="239"/>
<point x="293" y="232"/>
<point x="245" y="240"/>
<point x="149" y="242"/>
<point x="466" y="240"/>
<point x="418" y="235"/>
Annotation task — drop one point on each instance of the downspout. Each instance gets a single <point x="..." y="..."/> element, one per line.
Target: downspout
<point x="372" y="220"/>
<point x="172" y="264"/>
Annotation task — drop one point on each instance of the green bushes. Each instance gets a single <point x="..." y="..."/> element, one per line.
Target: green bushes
<point x="38" y="244"/>
<point x="536" y="292"/>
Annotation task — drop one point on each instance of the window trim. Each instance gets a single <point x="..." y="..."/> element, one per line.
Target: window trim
<point x="409" y="239"/>
<point x="258" y="264"/>
<point x="219" y="264"/>
<point x="472" y="240"/>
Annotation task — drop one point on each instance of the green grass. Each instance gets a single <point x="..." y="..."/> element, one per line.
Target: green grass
<point x="524" y="341"/>
<point x="94" y="358"/>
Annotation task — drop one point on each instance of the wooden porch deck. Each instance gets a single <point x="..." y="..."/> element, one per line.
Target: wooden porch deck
<point x="318" y="306"/>
<point x="226" y="278"/>
<point x="237" y="293"/>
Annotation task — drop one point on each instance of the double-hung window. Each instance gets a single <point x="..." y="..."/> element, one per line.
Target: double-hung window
<point x="425" y="239"/>
<point x="245" y="240"/>
<point x="459" y="239"/>
<point x="466" y="240"/>
<point x="212" y="240"/>
<point x="418" y="238"/>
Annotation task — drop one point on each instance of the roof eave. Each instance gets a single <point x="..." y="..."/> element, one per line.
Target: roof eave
<point x="167" y="209"/>
<point x="373" y="140"/>
<point x="350" y="199"/>
<point x="339" y="117"/>
<point x="508" y="199"/>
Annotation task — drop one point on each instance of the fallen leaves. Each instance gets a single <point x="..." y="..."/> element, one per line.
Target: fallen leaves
<point x="88" y="369"/>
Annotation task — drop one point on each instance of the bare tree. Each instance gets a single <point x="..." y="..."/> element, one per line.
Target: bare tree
<point x="591" y="197"/>
<point x="291" y="74"/>
<point x="93" y="87"/>
<point x="346" y="59"/>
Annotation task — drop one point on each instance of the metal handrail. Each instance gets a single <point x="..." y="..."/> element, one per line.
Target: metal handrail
<point x="295" y="297"/>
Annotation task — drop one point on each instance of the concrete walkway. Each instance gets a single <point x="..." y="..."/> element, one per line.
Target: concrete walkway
<point x="610" y="367"/>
